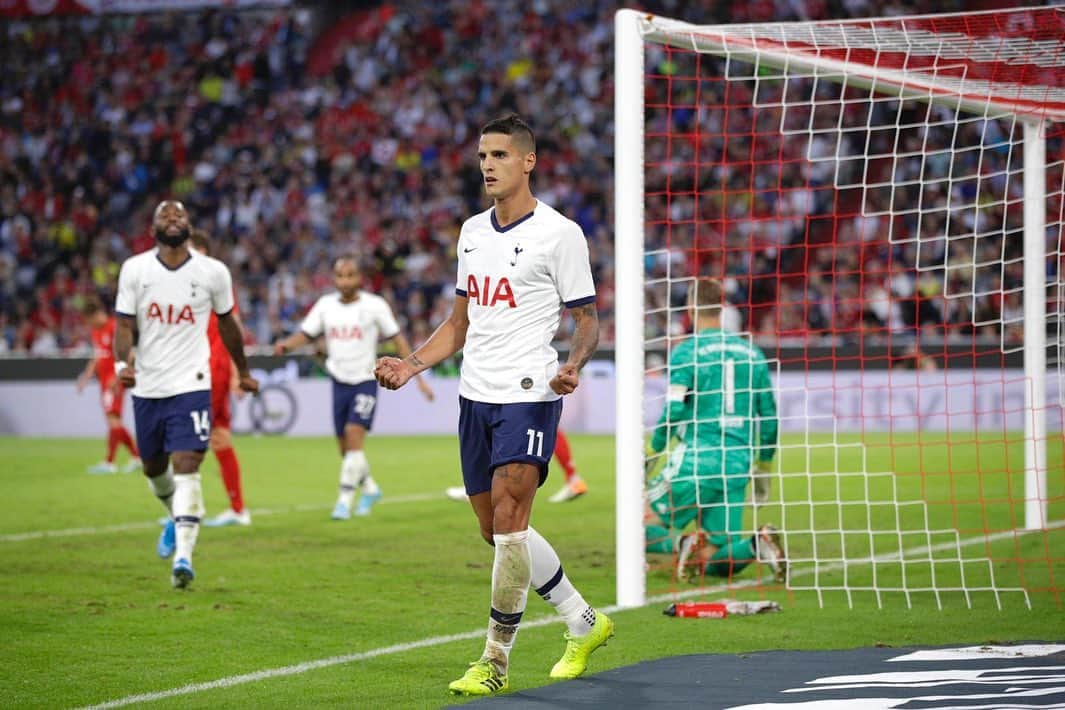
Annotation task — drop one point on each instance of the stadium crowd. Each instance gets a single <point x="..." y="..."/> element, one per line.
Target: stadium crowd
<point x="291" y="158"/>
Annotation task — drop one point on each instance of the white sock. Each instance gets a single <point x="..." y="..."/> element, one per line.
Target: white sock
<point x="361" y="466"/>
<point x="554" y="587"/>
<point x="510" y="589"/>
<point x="188" y="509"/>
<point x="163" y="488"/>
<point x="351" y="475"/>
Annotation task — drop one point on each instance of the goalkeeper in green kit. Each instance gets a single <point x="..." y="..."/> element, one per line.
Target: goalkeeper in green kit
<point x="720" y="405"/>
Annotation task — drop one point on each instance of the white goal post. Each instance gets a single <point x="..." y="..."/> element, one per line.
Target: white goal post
<point x="964" y="64"/>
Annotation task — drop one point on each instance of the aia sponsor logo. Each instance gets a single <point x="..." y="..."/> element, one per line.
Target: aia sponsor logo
<point x="485" y="293"/>
<point x="345" y="332"/>
<point x="170" y="314"/>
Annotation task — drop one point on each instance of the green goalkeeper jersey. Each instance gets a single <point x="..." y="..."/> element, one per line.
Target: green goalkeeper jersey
<point x="720" y="397"/>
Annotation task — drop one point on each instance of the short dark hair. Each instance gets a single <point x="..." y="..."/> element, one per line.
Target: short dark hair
<point x="200" y="239"/>
<point x="512" y="125"/>
<point x="707" y="295"/>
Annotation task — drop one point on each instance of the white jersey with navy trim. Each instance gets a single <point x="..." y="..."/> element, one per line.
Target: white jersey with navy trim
<point x="351" y="332"/>
<point x="518" y="278"/>
<point x="172" y="307"/>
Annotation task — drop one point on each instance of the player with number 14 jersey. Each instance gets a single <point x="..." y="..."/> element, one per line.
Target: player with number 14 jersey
<point x="165" y="300"/>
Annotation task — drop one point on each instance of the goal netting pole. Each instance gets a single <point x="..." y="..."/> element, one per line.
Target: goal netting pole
<point x="918" y="144"/>
<point x="1035" y="355"/>
<point x="628" y="270"/>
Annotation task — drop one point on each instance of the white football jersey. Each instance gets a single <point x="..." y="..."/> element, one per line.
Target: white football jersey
<point x="173" y="308"/>
<point x="351" y="333"/>
<point x="517" y="279"/>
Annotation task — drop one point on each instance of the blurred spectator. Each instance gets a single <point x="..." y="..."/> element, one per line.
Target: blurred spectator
<point x="294" y="149"/>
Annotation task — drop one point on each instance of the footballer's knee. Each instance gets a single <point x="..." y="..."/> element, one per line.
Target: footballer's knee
<point x="187" y="461"/>
<point x="156" y="466"/>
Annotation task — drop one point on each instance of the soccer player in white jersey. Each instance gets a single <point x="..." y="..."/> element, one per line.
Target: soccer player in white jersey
<point x="352" y="321"/>
<point x="519" y="264"/>
<point x="164" y="302"/>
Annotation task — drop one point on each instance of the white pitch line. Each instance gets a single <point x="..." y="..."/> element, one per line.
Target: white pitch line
<point x="300" y="668"/>
<point x="307" y="666"/>
<point x="123" y="527"/>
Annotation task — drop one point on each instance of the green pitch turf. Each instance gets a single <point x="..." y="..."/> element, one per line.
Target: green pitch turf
<point x="301" y="611"/>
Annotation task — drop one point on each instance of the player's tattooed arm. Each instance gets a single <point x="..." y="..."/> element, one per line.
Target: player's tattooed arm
<point x="404" y="351"/>
<point x="585" y="334"/>
<point x="446" y="340"/>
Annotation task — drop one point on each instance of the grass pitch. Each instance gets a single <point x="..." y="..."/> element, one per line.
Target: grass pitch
<point x="301" y="611"/>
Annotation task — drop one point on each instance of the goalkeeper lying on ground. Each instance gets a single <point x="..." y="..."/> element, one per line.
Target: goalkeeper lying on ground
<point x="719" y="396"/>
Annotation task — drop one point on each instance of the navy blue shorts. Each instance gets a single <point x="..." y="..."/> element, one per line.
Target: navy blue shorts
<point x="491" y="435"/>
<point x="169" y="424"/>
<point x="354" y="404"/>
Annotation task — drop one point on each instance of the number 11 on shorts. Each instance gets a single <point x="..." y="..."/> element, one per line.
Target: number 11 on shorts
<point x="536" y="441"/>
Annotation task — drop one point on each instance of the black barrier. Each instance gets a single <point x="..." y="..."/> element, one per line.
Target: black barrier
<point x="820" y="358"/>
<point x="1026" y="675"/>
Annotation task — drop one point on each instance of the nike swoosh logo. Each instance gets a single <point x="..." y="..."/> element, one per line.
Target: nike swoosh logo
<point x="467" y="251"/>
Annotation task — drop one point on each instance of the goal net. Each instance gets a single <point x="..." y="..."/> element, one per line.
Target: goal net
<point x="881" y="201"/>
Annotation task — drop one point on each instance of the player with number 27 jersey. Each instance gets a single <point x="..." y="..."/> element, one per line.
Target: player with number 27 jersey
<point x="352" y="322"/>
<point x="351" y="331"/>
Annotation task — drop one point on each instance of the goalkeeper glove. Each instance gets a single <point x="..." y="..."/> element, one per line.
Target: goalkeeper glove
<point x="761" y="476"/>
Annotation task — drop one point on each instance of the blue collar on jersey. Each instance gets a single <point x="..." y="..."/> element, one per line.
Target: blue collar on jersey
<point x="512" y="225"/>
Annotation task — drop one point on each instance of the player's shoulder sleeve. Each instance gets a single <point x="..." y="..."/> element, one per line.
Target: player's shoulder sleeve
<point x="571" y="267"/>
<point x="129" y="277"/>
<point x="386" y="318"/>
<point x="313" y="324"/>
<point x="463" y="272"/>
<point x="221" y="285"/>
